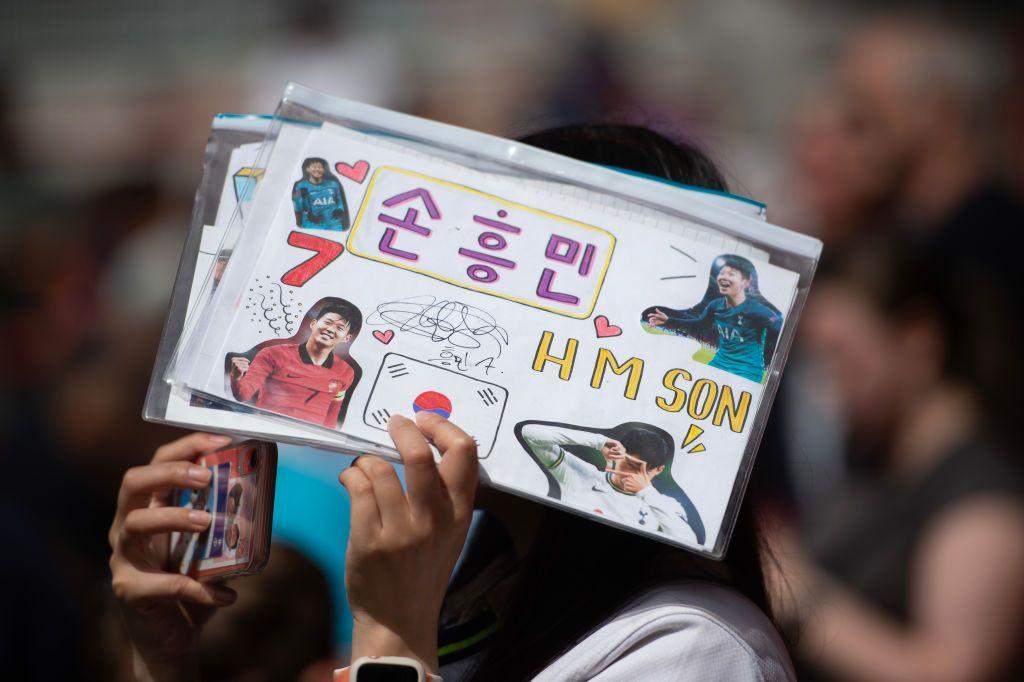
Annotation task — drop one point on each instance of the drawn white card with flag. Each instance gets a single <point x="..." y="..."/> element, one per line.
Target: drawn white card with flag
<point x="406" y="386"/>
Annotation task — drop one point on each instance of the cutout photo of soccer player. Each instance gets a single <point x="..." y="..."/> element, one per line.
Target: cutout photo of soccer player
<point x="318" y="198"/>
<point x="309" y="376"/>
<point x="234" y="506"/>
<point x="622" y="473"/>
<point x="733" y="318"/>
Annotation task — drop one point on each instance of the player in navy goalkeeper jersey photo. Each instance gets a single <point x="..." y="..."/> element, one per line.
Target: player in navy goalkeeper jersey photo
<point x="733" y="317"/>
<point x="318" y="198"/>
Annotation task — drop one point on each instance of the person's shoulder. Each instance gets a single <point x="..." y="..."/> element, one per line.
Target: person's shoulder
<point x="343" y="366"/>
<point x="652" y="494"/>
<point x="979" y="468"/>
<point x="715" y="605"/>
<point x="758" y="306"/>
<point x="278" y="350"/>
<point x="683" y="631"/>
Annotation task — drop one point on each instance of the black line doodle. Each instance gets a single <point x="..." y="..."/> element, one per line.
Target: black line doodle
<point x="280" y="311"/>
<point x="680" y="251"/>
<point x="290" y="318"/>
<point x="267" y="311"/>
<point x="442" y="321"/>
<point x="676" y="248"/>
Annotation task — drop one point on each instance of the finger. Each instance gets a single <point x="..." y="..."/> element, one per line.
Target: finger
<point x="459" y="469"/>
<point x="139" y="483"/>
<point x="190" y="446"/>
<point x="141" y="523"/>
<point x="394" y="508"/>
<point x="141" y="588"/>
<point x="421" y="476"/>
<point x="365" y="520"/>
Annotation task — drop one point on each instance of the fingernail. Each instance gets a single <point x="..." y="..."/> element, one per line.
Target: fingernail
<point x="354" y="461"/>
<point x="427" y="416"/>
<point x="198" y="517"/>
<point x="397" y="417"/>
<point x="217" y="441"/>
<point x="199" y="474"/>
<point x="222" y="595"/>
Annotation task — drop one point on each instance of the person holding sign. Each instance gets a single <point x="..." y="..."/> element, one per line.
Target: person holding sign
<point x="318" y="198"/>
<point x="551" y="596"/>
<point x="623" y="490"/>
<point x="308" y="381"/>
<point x="745" y="324"/>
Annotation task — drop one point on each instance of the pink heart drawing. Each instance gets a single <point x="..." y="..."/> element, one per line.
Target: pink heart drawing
<point x="355" y="172"/>
<point x="384" y="337"/>
<point x="605" y="328"/>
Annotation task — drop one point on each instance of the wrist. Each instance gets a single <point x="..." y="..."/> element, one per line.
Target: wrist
<point x="370" y="638"/>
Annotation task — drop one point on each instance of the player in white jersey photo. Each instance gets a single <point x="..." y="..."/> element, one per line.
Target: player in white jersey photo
<point x="612" y="472"/>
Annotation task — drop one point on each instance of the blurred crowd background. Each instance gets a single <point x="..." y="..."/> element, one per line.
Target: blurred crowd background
<point x="889" y="476"/>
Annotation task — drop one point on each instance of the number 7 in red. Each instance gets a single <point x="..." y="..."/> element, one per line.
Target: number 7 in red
<point x="326" y="252"/>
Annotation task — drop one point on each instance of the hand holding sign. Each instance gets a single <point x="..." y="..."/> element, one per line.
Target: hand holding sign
<point x="239" y="366"/>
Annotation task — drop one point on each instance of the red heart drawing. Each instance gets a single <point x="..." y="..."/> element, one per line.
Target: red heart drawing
<point x="355" y="172"/>
<point x="384" y="337"/>
<point x="605" y="328"/>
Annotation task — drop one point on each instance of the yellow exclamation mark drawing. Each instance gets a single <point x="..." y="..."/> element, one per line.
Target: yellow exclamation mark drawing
<point x="692" y="435"/>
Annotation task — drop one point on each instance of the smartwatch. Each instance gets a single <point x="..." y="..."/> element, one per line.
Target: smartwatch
<point x="385" y="669"/>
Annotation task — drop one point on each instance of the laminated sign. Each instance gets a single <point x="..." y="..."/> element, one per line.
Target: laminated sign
<point x="611" y="342"/>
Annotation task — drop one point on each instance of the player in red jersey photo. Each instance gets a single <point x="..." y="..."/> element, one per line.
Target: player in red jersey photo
<point x="308" y="377"/>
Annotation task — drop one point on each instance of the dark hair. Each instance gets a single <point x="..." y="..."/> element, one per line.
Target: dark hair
<point x="314" y="159"/>
<point x="328" y="175"/>
<point x="648" y="445"/>
<point x="247" y="640"/>
<point x="345" y="311"/>
<point x="576" y="555"/>
<point x="236" y="493"/>
<point x="736" y="263"/>
<point x="632" y="148"/>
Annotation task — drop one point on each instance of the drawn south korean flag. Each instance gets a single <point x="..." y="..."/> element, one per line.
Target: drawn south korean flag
<point x="406" y="386"/>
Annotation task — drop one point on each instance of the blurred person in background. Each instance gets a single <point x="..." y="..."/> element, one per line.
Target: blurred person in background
<point x="914" y="568"/>
<point x="320" y="44"/>
<point x="89" y="271"/>
<point x="279" y="629"/>
<point x="836" y="187"/>
<point x="898" y="148"/>
<point x="921" y="96"/>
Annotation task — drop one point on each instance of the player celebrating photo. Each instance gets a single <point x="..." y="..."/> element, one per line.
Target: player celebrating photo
<point x="612" y="472"/>
<point x="733" y="317"/>
<point x="318" y="198"/>
<point x="307" y="377"/>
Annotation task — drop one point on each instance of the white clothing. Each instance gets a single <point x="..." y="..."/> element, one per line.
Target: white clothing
<point x="683" y="632"/>
<point x="588" y="488"/>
